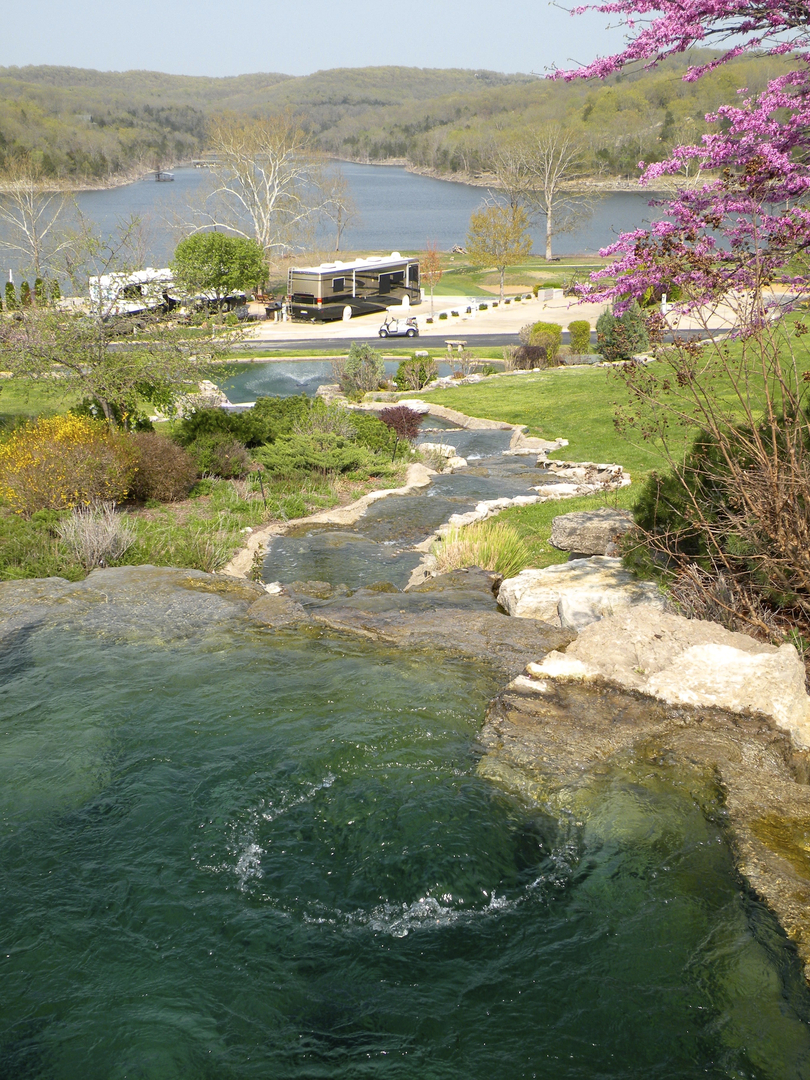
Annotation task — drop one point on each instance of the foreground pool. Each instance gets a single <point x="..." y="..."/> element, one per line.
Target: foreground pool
<point x="229" y="852"/>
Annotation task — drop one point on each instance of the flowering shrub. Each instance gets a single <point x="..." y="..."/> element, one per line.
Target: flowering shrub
<point x="60" y="462"/>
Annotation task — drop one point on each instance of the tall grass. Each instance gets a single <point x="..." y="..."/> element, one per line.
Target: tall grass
<point x="494" y="546"/>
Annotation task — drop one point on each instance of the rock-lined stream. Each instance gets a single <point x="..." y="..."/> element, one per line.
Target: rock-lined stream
<point x="380" y="546"/>
<point x="245" y="835"/>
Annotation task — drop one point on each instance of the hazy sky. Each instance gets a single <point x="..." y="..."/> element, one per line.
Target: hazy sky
<point x="224" y="38"/>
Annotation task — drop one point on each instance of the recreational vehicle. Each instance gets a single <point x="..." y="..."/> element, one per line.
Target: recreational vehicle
<point x="120" y="293"/>
<point x="339" y="290"/>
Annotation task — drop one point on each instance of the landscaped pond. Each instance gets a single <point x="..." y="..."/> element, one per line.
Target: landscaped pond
<point x="232" y="852"/>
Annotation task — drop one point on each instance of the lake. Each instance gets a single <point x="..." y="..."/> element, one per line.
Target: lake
<point x="399" y="210"/>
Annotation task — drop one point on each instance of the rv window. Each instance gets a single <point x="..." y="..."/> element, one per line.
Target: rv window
<point x="338" y="284"/>
<point x="303" y="298"/>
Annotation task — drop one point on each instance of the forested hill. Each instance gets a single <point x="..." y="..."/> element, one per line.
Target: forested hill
<point x="93" y="125"/>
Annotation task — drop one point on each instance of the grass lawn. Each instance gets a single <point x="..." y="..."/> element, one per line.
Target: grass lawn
<point x="22" y="397"/>
<point x="578" y="404"/>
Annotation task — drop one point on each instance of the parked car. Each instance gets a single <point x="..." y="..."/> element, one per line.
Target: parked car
<point x="399" y="328"/>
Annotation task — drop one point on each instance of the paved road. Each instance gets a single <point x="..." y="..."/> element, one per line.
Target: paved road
<point x="340" y="345"/>
<point x="434" y="342"/>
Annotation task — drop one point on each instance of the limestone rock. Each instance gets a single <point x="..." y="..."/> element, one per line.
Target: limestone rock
<point x="571" y="744"/>
<point x="590" y="532"/>
<point x="577" y="593"/>
<point x="690" y="662"/>
<point x="440" y="449"/>
<point x="277" y="610"/>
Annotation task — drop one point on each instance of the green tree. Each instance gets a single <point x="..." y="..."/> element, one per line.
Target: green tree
<point x="25" y="294"/>
<point x="216" y="265"/>
<point x="11" y="296"/>
<point x="498" y="236"/>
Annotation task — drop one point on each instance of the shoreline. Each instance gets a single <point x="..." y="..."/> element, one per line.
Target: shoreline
<point x="606" y="186"/>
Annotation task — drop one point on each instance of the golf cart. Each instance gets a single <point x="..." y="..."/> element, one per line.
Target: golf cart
<point x="399" y="328"/>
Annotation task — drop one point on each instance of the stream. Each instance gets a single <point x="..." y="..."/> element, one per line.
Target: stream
<point x="380" y="546"/>
<point x="231" y="851"/>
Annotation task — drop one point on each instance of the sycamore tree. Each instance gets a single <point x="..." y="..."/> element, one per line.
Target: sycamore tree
<point x="543" y="172"/>
<point x="338" y="205"/>
<point x="498" y="236"/>
<point x="733" y="514"/>
<point x="214" y="265"/>
<point x="35" y="215"/>
<point x="266" y="182"/>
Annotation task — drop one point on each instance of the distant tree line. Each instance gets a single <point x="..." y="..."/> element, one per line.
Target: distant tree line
<point x="77" y="124"/>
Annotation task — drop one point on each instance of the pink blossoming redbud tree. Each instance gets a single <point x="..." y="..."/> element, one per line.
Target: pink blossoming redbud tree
<point x="737" y="242"/>
<point x="743" y="228"/>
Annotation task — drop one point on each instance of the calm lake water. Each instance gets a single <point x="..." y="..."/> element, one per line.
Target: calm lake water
<point x="231" y="853"/>
<point x="399" y="211"/>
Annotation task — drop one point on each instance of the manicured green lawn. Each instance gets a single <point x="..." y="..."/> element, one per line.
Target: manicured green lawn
<point x="578" y="404"/>
<point x="22" y="397"/>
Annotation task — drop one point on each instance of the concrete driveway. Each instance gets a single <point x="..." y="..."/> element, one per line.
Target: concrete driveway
<point x="505" y="319"/>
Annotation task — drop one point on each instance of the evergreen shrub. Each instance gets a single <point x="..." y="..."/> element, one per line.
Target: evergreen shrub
<point x="580" y="331"/>
<point x="320" y="452"/>
<point x="621" y="337"/>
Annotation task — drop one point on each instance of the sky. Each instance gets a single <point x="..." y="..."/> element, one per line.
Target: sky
<point x="203" y="37"/>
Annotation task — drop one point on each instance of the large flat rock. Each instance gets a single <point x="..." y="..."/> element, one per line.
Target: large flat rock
<point x="577" y="593"/>
<point x="690" y="662"/>
<point x="590" y="532"/>
<point x="567" y="744"/>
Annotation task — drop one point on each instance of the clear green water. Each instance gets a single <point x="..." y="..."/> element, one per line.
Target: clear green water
<point x="259" y="855"/>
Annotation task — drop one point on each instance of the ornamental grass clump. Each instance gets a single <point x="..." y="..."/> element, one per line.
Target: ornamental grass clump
<point x="96" y="535"/>
<point x="59" y="462"/>
<point x="494" y="546"/>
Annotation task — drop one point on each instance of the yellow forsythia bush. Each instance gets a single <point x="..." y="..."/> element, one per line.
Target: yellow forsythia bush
<point x="59" y="462"/>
